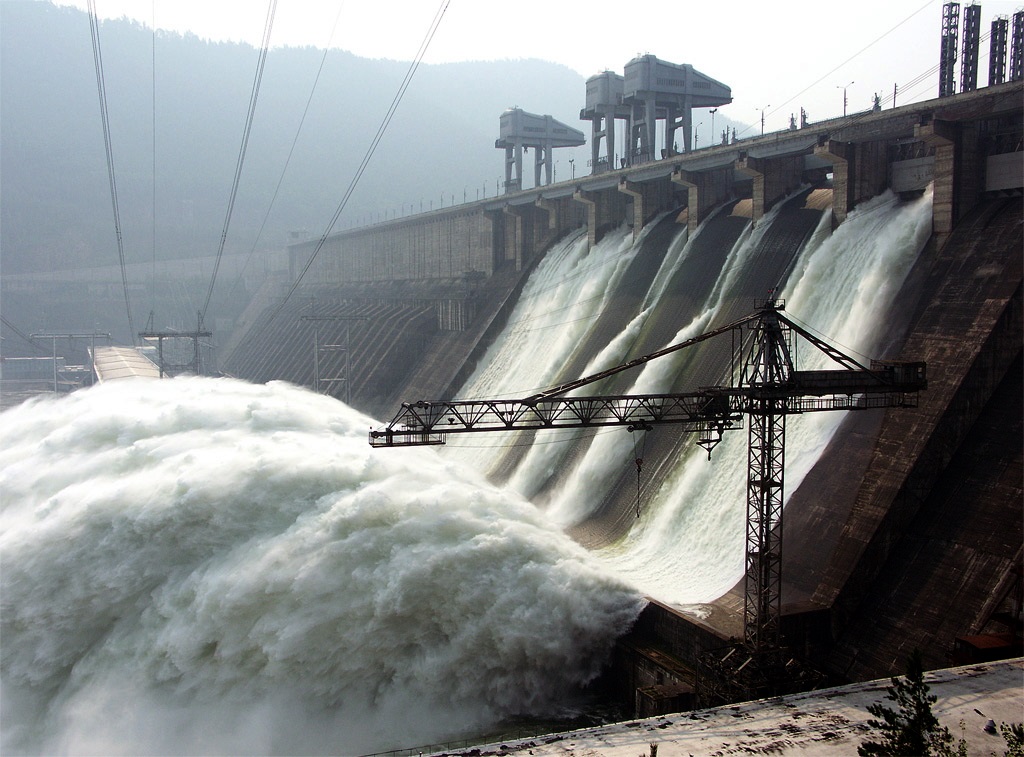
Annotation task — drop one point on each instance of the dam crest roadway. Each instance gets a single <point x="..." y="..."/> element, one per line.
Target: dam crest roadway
<point x="861" y="155"/>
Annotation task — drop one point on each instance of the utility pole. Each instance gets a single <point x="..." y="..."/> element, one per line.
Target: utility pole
<point x="54" y="337"/>
<point x="843" y="87"/>
<point x="167" y="364"/>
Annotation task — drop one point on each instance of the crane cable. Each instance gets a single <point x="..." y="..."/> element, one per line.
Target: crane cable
<point x="369" y="153"/>
<point x="638" y="457"/>
<point x="101" y="88"/>
<point x="253" y="97"/>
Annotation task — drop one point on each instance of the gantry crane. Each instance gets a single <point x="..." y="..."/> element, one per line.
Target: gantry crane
<point x="765" y="385"/>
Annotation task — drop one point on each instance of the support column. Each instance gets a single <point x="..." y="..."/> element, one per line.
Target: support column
<point x="517" y="238"/>
<point x="639" y="204"/>
<point x="603" y="127"/>
<point x="762" y="605"/>
<point x="651" y="127"/>
<point x="551" y="208"/>
<point x="754" y="168"/>
<point x="679" y="118"/>
<point x="595" y="141"/>
<point x="513" y="165"/>
<point x="705" y="190"/>
<point x="542" y="159"/>
<point x="770" y="366"/>
<point x="838" y="154"/>
<point x="942" y="136"/>
<point x="695" y="211"/>
<point x="589" y="200"/>
<point x="609" y="129"/>
<point x="773" y="178"/>
<point x="687" y="124"/>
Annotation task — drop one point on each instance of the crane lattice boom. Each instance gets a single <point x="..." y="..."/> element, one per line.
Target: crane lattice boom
<point x="767" y="387"/>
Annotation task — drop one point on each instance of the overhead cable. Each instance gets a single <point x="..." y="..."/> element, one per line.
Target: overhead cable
<point x="253" y="97"/>
<point x="97" y="56"/>
<point x="295" y="140"/>
<point x="856" y="54"/>
<point x="29" y="340"/>
<point x="369" y="153"/>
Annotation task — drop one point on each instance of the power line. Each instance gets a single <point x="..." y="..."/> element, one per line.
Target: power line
<point x="253" y="97"/>
<point x="369" y="153"/>
<point x="856" y="54"/>
<point x="291" y="151"/>
<point x="29" y="340"/>
<point x="152" y="285"/>
<point x="97" y="57"/>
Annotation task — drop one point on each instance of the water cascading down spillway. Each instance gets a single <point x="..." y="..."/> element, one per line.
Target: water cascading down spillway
<point x="686" y="548"/>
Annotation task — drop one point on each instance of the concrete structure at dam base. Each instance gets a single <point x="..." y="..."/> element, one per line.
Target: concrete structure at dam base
<point x="830" y="722"/>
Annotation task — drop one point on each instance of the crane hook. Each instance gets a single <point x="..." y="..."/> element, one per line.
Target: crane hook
<point x="638" y="458"/>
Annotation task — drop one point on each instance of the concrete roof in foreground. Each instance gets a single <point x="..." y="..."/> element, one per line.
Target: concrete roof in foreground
<point x="829" y="722"/>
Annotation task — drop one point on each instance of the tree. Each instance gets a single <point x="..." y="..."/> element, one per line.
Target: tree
<point x="1013" y="733"/>
<point x="911" y="729"/>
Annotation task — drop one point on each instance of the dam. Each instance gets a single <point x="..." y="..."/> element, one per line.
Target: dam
<point x="224" y="564"/>
<point x="510" y="295"/>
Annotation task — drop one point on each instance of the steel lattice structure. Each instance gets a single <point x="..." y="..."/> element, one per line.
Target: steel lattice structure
<point x="947" y="51"/>
<point x="766" y="386"/>
<point x="770" y="366"/>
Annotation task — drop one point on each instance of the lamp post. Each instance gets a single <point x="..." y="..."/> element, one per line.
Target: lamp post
<point x="572" y="168"/>
<point x="766" y="107"/>
<point x="843" y="87"/>
<point x="696" y="134"/>
<point x="712" y="111"/>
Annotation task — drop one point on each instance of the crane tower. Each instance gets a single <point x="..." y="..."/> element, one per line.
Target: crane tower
<point x="765" y="385"/>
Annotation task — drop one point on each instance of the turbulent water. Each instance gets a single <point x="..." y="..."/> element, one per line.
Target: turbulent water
<point x="207" y="566"/>
<point x="687" y="548"/>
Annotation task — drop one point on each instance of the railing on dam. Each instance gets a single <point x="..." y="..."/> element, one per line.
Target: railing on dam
<point x="949" y="140"/>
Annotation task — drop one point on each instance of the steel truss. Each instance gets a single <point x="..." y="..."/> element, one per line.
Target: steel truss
<point x="770" y="366"/>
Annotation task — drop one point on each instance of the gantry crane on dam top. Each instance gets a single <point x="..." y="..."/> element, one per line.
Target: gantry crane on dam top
<point x="765" y="385"/>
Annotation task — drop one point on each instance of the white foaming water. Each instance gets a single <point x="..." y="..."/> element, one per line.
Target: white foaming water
<point x="548" y="451"/>
<point x="688" y="546"/>
<point x="208" y="566"/>
<point x="558" y="306"/>
<point x="553" y="315"/>
<point x="604" y="459"/>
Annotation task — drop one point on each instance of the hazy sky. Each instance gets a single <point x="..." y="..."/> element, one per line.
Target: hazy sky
<point x="777" y="56"/>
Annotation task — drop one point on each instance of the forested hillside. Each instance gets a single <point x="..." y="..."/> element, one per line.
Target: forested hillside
<point x="55" y="201"/>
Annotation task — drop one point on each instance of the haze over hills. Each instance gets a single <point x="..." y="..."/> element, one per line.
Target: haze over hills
<point x="441" y="141"/>
<point x="55" y="197"/>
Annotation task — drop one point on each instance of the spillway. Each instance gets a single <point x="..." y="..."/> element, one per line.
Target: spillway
<point x="230" y="567"/>
<point x="686" y="546"/>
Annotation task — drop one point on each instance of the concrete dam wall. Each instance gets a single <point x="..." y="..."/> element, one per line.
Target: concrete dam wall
<point x="906" y="531"/>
